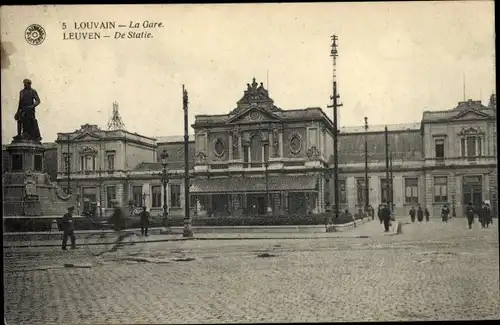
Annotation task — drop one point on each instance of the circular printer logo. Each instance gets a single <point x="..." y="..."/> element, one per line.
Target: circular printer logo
<point x="35" y="34"/>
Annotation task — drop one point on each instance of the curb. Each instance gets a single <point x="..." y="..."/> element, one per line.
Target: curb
<point x="94" y="244"/>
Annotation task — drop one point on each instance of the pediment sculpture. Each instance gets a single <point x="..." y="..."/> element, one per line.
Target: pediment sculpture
<point x="313" y="152"/>
<point x="88" y="149"/>
<point x="470" y="131"/>
<point x="255" y="92"/>
<point x="201" y="158"/>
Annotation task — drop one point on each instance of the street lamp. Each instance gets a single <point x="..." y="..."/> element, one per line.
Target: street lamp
<point x="164" y="181"/>
<point x="366" y="166"/>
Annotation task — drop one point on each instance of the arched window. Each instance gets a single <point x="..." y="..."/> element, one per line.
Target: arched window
<point x="256" y="149"/>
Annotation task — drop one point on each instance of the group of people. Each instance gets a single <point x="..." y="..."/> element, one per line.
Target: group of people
<point x="483" y="213"/>
<point x="118" y="221"/>
<point x="419" y="214"/>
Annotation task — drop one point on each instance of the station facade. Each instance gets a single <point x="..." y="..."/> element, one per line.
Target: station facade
<point x="259" y="158"/>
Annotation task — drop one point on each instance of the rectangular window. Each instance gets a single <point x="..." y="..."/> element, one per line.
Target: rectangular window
<point x="342" y="192"/>
<point x="38" y="163"/>
<point x="65" y="162"/>
<point x="441" y="189"/>
<point x="110" y="196"/>
<point x="245" y="154"/>
<point x="137" y="195"/>
<point x="111" y="162"/>
<point x="361" y="191"/>
<point x="439" y="147"/>
<point x="327" y="192"/>
<point x="87" y="163"/>
<point x="411" y="190"/>
<point x="156" y="196"/>
<point x="471" y="146"/>
<point x="17" y="162"/>
<point x="175" y="196"/>
<point x="384" y="189"/>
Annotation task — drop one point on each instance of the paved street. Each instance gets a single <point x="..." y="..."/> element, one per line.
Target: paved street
<point x="432" y="271"/>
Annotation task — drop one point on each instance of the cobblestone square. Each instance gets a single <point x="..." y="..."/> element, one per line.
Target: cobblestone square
<point x="432" y="271"/>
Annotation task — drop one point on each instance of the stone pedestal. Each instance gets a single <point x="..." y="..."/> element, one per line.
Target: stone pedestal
<point x="27" y="189"/>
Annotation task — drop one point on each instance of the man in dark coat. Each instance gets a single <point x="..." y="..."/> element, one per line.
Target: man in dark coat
<point x="420" y="214"/>
<point x="144" y="221"/>
<point x="68" y="227"/>
<point x="372" y="211"/>
<point x="470" y="214"/>
<point x="386" y="217"/>
<point x="379" y="213"/>
<point x="427" y="215"/>
<point x="445" y="212"/>
<point x="412" y="214"/>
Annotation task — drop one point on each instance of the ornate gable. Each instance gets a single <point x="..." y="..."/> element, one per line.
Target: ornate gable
<point x="86" y="136"/>
<point x="470" y="114"/>
<point x="254" y="114"/>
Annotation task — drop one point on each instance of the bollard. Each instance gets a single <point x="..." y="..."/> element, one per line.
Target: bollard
<point x="54" y="226"/>
<point x="399" y="229"/>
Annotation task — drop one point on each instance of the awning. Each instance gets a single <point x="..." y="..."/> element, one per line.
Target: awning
<point x="254" y="184"/>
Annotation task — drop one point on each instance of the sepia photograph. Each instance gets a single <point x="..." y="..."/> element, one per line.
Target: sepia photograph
<point x="249" y="163"/>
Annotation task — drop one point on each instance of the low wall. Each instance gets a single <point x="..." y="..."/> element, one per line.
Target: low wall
<point x="347" y="226"/>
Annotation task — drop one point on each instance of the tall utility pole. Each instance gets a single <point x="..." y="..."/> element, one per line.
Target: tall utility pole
<point x="367" y="187"/>
<point x="188" y="232"/>
<point x="391" y="193"/>
<point x="68" y="167"/>
<point x="386" y="132"/>
<point x="335" y="105"/>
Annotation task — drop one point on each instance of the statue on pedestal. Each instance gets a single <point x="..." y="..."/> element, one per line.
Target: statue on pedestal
<point x="27" y="125"/>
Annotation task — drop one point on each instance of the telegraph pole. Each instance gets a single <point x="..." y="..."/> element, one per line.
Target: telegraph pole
<point x="335" y="105"/>
<point x="386" y="133"/>
<point x="367" y="188"/>
<point x="68" y="167"/>
<point x="392" y="180"/>
<point x="188" y="232"/>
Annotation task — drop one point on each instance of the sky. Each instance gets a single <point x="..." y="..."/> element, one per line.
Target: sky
<point x="395" y="61"/>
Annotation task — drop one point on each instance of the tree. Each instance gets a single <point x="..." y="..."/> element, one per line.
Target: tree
<point x="493" y="101"/>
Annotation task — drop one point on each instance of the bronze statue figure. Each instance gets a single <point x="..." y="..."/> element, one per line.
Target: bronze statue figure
<point x="27" y="125"/>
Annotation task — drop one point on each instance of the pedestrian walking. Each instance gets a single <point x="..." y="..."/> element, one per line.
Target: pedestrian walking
<point x="487" y="213"/>
<point x="372" y="211"/>
<point x="68" y="226"/>
<point x="470" y="214"/>
<point x="145" y="216"/>
<point x="386" y="216"/>
<point x="379" y="213"/>
<point x="445" y="212"/>
<point x="427" y="215"/>
<point x="420" y="214"/>
<point x="412" y="214"/>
